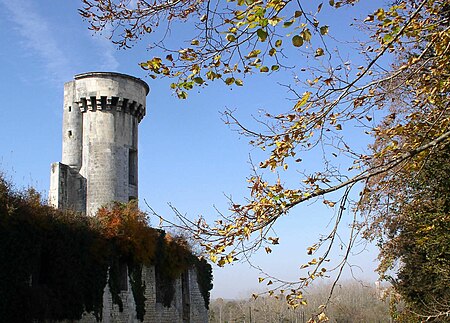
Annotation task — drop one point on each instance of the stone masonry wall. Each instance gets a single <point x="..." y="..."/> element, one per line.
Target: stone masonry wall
<point x="155" y="312"/>
<point x="67" y="188"/>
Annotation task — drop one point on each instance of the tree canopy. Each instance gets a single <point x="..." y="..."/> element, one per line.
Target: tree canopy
<point x="394" y="91"/>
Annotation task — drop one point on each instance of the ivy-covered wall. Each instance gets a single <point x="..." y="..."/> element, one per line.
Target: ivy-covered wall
<point x="57" y="266"/>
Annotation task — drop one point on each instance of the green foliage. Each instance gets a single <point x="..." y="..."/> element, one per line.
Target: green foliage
<point x="418" y="237"/>
<point x="48" y="270"/>
<point x="55" y="264"/>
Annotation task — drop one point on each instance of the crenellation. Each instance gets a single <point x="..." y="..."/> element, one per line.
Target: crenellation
<point x="109" y="103"/>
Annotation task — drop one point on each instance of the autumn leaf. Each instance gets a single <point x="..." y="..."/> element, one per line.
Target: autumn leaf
<point x="302" y="101"/>
<point x="319" y="52"/>
<point x="324" y="30"/>
<point x="297" y="41"/>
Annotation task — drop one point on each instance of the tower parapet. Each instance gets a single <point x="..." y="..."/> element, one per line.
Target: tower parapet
<point x="101" y="114"/>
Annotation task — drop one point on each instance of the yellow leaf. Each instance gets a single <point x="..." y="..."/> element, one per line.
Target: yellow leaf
<point x="322" y="317"/>
<point x="303" y="100"/>
<point x="247" y="231"/>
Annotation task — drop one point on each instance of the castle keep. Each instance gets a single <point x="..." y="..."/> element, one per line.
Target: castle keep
<point x="100" y="165"/>
<point x="100" y="140"/>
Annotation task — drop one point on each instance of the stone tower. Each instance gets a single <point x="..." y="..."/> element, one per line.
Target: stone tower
<point x="100" y="142"/>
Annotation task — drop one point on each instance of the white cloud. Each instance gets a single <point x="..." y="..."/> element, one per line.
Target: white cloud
<point x="38" y="37"/>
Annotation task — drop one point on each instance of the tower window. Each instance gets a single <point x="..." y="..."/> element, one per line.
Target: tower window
<point x="69" y="133"/>
<point x="132" y="167"/>
<point x="70" y="108"/>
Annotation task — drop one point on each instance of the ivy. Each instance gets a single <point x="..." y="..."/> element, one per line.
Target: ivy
<point x="204" y="279"/>
<point x="56" y="264"/>
<point x="138" y="288"/>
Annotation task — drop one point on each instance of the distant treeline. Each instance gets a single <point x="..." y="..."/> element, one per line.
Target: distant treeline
<point x="351" y="302"/>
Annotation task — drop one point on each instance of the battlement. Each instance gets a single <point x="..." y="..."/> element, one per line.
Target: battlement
<point x="105" y="103"/>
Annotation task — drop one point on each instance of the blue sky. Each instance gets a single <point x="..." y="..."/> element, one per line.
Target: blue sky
<point x="187" y="155"/>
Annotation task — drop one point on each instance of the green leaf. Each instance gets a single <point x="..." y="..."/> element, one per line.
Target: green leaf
<point x="264" y="69"/>
<point x="187" y="85"/>
<point x="195" y="42"/>
<point x="275" y="67"/>
<point x="278" y="43"/>
<point x="297" y="41"/>
<point x="198" y="80"/>
<point x="324" y="30"/>
<point x="298" y="14"/>
<point x="272" y="51"/>
<point x="264" y="22"/>
<point x="262" y="34"/>
<point x="387" y="38"/>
